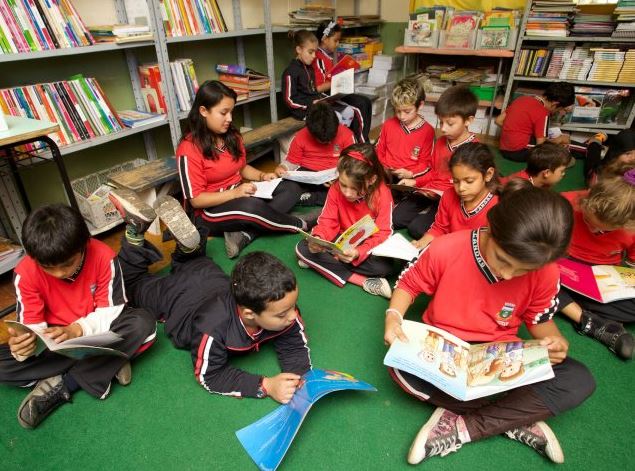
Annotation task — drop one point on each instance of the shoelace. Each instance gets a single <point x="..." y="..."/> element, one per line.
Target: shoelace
<point x="444" y="446"/>
<point x="41" y="402"/>
<point x="374" y="286"/>
<point x="527" y="438"/>
<point x="607" y="337"/>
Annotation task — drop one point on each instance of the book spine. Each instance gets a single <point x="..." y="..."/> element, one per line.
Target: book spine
<point x="168" y="20"/>
<point x="8" y="45"/>
<point x="233" y="78"/>
<point x="79" y="110"/>
<point x="29" y="103"/>
<point x="184" y="65"/>
<point x="192" y="74"/>
<point x="24" y="25"/>
<point x="110" y="110"/>
<point x="22" y="103"/>
<point x="178" y="21"/>
<point x="70" y="111"/>
<point x="219" y="14"/>
<point x="202" y="16"/>
<point x="45" y="20"/>
<point x="40" y="23"/>
<point x="177" y="86"/>
<point x="192" y="17"/>
<point x="88" y="105"/>
<point x="79" y="24"/>
<point x="33" y="27"/>
<point x="67" y="25"/>
<point x="3" y="104"/>
<point x="92" y="96"/>
<point x="59" y="137"/>
<point x="8" y="98"/>
<point x="186" y="23"/>
<point x="54" y="19"/>
<point x="14" y="29"/>
<point x="65" y="119"/>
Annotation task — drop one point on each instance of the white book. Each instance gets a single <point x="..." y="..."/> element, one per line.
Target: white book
<point x="312" y="178"/>
<point x="396" y="246"/>
<point x="343" y="83"/>
<point x="265" y="190"/>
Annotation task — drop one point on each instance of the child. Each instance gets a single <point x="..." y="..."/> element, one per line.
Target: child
<point x="603" y="225"/>
<point x="210" y="314"/>
<point x="526" y="120"/>
<point x="456" y="109"/>
<point x="546" y="165"/>
<point x="406" y="140"/>
<point x="361" y="190"/>
<point x="621" y="152"/>
<point x="475" y="185"/>
<point x="474" y="277"/>
<point x="317" y="147"/>
<point x="70" y="285"/>
<point x="329" y="35"/>
<point x="212" y="163"/>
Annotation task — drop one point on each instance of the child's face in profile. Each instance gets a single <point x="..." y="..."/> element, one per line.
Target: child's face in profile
<point x="350" y="191"/>
<point x="470" y="184"/>
<point x="595" y="224"/>
<point x="65" y="269"/>
<point x="551" y="178"/>
<point x="278" y="315"/>
<point x="511" y="369"/>
<point x="218" y="118"/>
<point x="406" y="114"/>
<point x="453" y="127"/>
<point x="331" y="43"/>
<point x="627" y="157"/>
<point x="306" y="52"/>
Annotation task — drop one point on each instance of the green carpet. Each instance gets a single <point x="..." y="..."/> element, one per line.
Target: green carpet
<point x="165" y="420"/>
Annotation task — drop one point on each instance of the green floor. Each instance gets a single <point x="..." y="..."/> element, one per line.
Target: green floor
<point x="165" y="420"/>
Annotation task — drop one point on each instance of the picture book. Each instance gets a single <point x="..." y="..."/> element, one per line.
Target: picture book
<point x="268" y="440"/>
<point x="349" y="239"/>
<point x="602" y="283"/>
<point x="345" y="63"/>
<point x="343" y="83"/>
<point x="396" y="246"/>
<point x="467" y="371"/>
<point x="312" y="178"/>
<point x="78" y="348"/>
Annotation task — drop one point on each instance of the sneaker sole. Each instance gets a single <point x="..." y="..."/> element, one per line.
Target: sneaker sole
<point x="173" y="216"/>
<point x="231" y="247"/>
<point x="417" y="452"/>
<point x="553" y="449"/>
<point x="128" y="202"/>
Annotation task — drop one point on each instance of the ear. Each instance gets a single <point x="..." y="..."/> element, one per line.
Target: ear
<point x="469" y="121"/>
<point x="246" y="313"/>
<point x="298" y="50"/>
<point x="203" y="111"/>
<point x="545" y="174"/>
<point x="489" y="174"/>
<point x="372" y="180"/>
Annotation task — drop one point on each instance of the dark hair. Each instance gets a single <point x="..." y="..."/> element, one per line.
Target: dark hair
<point x="457" y="101"/>
<point x="532" y="225"/>
<point x="322" y="122"/>
<point x="260" y="278"/>
<point x="360" y="172"/>
<point x="561" y="92"/>
<point x="210" y="94"/>
<point x="476" y="156"/>
<point x="54" y="233"/>
<point x="336" y="28"/>
<point x="622" y="142"/>
<point x="547" y="156"/>
<point x="301" y="37"/>
<point x="408" y="92"/>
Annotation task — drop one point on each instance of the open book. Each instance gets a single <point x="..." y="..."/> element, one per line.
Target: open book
<point x="265" y="189"/>
<point x="424" y="192"/>
<point x="345" y="63"/>
<point x="467" y="371"/>
<point x="312" y="178"/>
<point x="343" y="83"/>
<point x="349" y="239"/>
<point x="603" y="283"/>
<point x="78" y="348"/>
<point x="396" y="246"/>
<point x="268" y="439"/>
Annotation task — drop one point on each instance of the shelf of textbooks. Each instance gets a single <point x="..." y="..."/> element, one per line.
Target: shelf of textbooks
<point x="71" y="51"/>
<point x="208" y="36"/>
<point x="498" y="53"/>
<point x="523" y="78"/>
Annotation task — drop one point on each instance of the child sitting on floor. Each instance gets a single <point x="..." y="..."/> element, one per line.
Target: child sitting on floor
<point x="546" y="165"/>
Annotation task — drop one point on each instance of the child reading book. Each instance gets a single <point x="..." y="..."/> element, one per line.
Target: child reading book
<point x="484" y="283"/>
<point x="546" y="165"/>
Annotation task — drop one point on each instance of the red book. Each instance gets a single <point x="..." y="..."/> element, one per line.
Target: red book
<point x="345" y="63"/>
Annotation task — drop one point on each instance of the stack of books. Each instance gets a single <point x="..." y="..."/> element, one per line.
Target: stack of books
<point x="10" y="253"/>
<point x="311" y="15"/>
<point x="121" y="33"/>
<point x="185" y="82"/>
<point x="607" y="64"/>
<point x="247" y="83"/>
<point x="559" y="52"/>
<point x="39" y="25"/>
<point x="550" y="18"/>
<point x="183" y="78"/>
<point x="586" y="24"/>
<point x="78" y="105"/>
<point x="627" y="74"/>
<point x="577" y="66"/>
<point x="190" y="17"/>
<point x="136" y="118"/>
<point x="625" y="11"/>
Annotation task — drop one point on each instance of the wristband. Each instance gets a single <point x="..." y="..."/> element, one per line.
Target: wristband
<point x="261" y="393"/>
<point x="389" y="310"/>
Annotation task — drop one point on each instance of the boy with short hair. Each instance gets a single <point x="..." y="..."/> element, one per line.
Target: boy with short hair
<point x="210" y="314"/>
<point x="526" y="120"/>
<point x="70" y="285"/>
<point x="546" y="165"/>
<point x="455" y="109"/>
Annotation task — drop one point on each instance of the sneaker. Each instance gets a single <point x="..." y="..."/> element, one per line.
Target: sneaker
<point x="48" y="395"/>
<point x="439" y="436"/>
<point x="308" y="218"/>
<point x="177" y="222"/>
<point x="132" y="209"/>
<point x="302" y="264"/>
<point x="541" y="438"/>
<point x="378" y="287"/>
<point x="235" y="242"/>
<point x="610" y="333"/>
<point x="124" y="375"/>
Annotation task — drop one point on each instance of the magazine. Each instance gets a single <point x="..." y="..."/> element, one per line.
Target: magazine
<point x="396" y="246"/>
<point x="78" y="348"/>
<point x="268" y="439"/>
<point x="602" y="283"/>
<point x="265" y="189"/>
<point x="311" y="178"/>
<point x="467" y="371"/>
<point x="349" y="239"/>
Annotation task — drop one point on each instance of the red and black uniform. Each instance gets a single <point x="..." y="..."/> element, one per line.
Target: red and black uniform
<point x="251" y="215"/>
<point x="452" y="215"/>
<point x="95" y="299"/>
<point x="599" y="248"/>
<point x="487" y="310"/>
<point x="337" y="216"/>
<point x="298" y="88"/>
<point x="417" y="212"/>
<point x="526" y="120"/>
<point x="201" y="316"/>
<point x="401" y="147"/>
<point x="522" y="174"/>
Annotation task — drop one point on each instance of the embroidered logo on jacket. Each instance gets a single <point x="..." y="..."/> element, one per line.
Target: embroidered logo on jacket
<point x="503" y="316"/>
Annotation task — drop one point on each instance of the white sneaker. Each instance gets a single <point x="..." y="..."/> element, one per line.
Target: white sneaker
<point x="378" y="287"/>
<point x="302" y="264"/>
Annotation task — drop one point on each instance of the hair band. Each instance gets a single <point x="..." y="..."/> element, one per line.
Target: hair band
<point x="629" y="177"/>
<point x="328" y="29"/>
<point x="357" y="155"/>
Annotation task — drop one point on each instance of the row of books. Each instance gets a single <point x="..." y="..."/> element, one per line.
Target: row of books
<point x="190" y="17"/>
<point x="311" y="15"/>
<point x="550" y="18"/>
<point x="625" y="11"/>
<point x="185" y="83"/>
<point x="38" y="25"/>
<point x="361" y="48"/>
<point x="121" y="33"/>
<point x="79" y="105"/>
<point x="247" y="83"/>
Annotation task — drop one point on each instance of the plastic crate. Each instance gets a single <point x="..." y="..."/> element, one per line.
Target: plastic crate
<point x="485" y="93"/>
<point x="99" y="211"/>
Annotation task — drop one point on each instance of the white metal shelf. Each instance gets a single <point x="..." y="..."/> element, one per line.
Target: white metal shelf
<point x="208" y="36"/>
<point x="71" y="51"/>
<point x="574" y="82"/>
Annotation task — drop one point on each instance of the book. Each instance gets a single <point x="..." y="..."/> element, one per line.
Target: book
<point x="268" y="440"/>
<point x="602" y="283"/>
<point x="265" y="189"/>
<point x="467" y="371"/>
<point x="136" y="118"/>
<point x="312" y="178"/>
<point x="345" y="63"/>
<point x="349" y="239"/>
<point x="343" y="83"/>
<point x="396" y="246"/>
<point x="78" y="348"/>
<point x="429" y="193"/>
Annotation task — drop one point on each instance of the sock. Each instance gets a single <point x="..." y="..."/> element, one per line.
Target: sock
<point x="461" y="428"/>
<point x="305" y="226"/>
<point x="185" y="249"/>
<point x="357" y="279"/>
<point x="70" y="383"/>
<point x="133" y="237"/>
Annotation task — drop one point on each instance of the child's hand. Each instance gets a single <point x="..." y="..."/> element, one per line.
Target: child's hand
<point x="328" y="184"/>
<point x="348" y="256"/>
<point x="282" y="386"/>
<point x="392" y="329"/>
<point x="420" y="244"/>
<point x="315" y="248"/>
<point x="244" y="190"/>
<point x="407" y="182"/>
<point x="280" y="170"/>
<point x="557" y="347"/>
<point x="60" y="334"/>
<point x="402" y="173"/>
<point x="269" y="176"/>
<point x="23" y="345"/>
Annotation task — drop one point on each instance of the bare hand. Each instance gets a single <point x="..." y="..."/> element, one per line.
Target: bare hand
<point x="402" y="173"/>
<point x="557" y="347"/>
<point x="282" y="386"/>
<point x="393" y="330"/>
<point x="23" y="344"/>
<point x="407" y="182"/>
<point x="420" y="244"/>
<point x="269" y="176"/>
<point x="60" y="334"/>
<point x="280" y="170"/>
<point x="244" y="190"/>
<point x="348" y="256"/>
<point x="315" y="248"/>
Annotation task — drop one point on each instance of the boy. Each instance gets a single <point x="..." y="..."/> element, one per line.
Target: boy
<point x="70" y="285"/>
<point x="546" y="165"/>
<point x="406" y="140"/>
<point x="316" y="147"/>
<point x="456" y="109"/>
<point x="208" y="313"/>
<point x="526" y="120"/>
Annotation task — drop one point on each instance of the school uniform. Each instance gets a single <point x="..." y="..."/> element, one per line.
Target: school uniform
<point x="522" y="174"/>
<point x="298" y="88"/>
<point x="488" y="310"/>
<point x="337" y="216"/>
<point x="417" y="212"/>
<point x="606" y="248"/>
<point x="95" y="299"/>
<point x="526" y="120"/>
<point x="401" y="147"/>
<point x="201" y="315"/>
<point x="452" y="215"/>
<point x="199" y="174"/>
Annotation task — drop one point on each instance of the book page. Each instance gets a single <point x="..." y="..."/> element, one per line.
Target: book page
<point x="343" y="83"/>
<point x="614" y="282"/>
<point x="311" y="178"/>
<point x="330" y="246"/>
<point x="265" y="190"/>
<point x="396" y="246"/>
<point x="357" y="233"/>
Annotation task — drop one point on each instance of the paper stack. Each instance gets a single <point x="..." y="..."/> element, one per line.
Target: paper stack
<point x="607" y="64"/>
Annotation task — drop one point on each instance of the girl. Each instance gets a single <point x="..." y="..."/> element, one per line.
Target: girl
<point x="621" y="152"/>
<point x="329" y="35"/>
<point x="475" y="184"/>
<point x="212" y="164"/>
<point x="484" y="283"/>
<point x="361" y="189"/>
<point x="603" y="225"/>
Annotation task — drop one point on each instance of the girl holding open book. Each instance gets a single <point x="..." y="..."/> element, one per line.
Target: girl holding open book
<point x="484" y="284"/>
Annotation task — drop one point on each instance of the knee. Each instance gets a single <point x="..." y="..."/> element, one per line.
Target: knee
<point x="581" y="383"/>
<point x="142" y="322"/>
<point x="415" y="229"/>
<point x="302" y="249"/>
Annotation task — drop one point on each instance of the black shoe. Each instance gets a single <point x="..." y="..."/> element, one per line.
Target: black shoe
<point x="308" y="218"/>
<point x="48" y="395"/>
<point x="134" y="211"/>
<point x="235" y="242"/>
<point x="177" y="222"/>
<point x="541" y="438"/>
<point x="610" y="333"/>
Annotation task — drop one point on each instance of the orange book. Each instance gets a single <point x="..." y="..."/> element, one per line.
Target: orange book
<point x="345" y="63"/>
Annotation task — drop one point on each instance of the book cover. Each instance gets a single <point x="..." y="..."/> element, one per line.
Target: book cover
<point x="602" y="283"/>
<point x="349" y="239"/>
<point x="345" y="63"/>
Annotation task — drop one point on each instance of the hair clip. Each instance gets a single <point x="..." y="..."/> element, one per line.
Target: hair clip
<point x="357" y="155"/>
<point x="328" y="29"/>
<point x="629" y="177"/>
